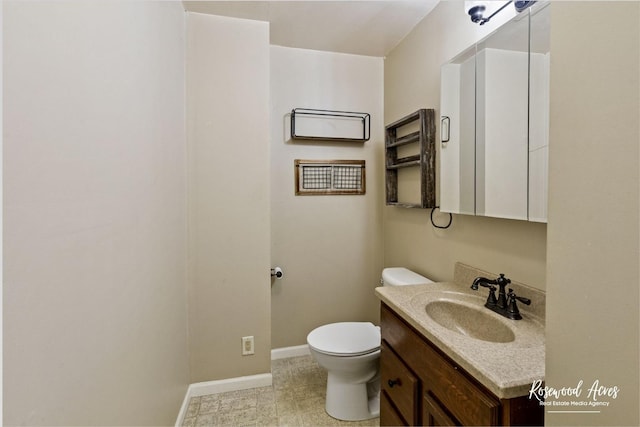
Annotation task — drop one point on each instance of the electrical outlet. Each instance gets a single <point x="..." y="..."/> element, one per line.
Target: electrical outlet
<point x="247" y="346"/>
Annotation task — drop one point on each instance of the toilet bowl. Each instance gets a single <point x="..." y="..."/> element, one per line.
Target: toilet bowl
<point x="350" y="352"/>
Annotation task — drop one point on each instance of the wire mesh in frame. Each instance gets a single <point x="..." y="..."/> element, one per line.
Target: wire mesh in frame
<point x="330" y="177"/>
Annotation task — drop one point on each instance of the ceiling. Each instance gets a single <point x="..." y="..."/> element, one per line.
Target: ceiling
<point x="359" y="27"/>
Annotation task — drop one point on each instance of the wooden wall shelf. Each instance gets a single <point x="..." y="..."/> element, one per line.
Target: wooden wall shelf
<point x="426" y="158"/>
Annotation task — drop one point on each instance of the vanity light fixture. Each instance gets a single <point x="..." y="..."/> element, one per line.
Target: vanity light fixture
<point x="476" y="9"/>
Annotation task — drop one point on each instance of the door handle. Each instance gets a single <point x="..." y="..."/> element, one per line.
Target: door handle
<point x="445" y="129"/>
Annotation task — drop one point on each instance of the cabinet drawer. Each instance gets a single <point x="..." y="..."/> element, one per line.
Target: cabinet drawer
<point x="399" y="384"/>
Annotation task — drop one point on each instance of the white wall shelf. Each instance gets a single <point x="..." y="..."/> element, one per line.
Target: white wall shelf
<point x="330" y="125"/>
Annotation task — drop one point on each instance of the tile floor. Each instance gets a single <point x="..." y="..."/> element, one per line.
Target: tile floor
<point x="296" y="398"/>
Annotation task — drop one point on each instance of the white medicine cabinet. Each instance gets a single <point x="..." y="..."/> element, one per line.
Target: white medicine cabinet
<point x="495" y="123"/>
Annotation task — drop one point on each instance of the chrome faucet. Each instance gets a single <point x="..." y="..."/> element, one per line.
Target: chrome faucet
<point x="505" y="305"/>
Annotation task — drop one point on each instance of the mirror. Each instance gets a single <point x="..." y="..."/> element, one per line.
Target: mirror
<point x="540" y="65"/>
<point x="457" y="151"/>
<point x="494" y="125"/>
<point x="501" y="121"/>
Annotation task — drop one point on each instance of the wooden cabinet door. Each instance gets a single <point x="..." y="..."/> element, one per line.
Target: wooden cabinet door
<point x="434" y="415"/>
<point x="388" y="414"/>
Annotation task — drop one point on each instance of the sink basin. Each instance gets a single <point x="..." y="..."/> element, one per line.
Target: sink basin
<point x="469" y="321"/>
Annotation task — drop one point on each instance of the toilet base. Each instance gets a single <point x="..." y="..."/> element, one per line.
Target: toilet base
<point x="353" y="402"/>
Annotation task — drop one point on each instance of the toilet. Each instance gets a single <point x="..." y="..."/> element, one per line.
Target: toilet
<point x="350" y="352"/>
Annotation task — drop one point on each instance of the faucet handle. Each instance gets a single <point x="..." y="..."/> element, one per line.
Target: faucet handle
<point x="512" y="307"/>
<point x="523" y="300"/>
<point x="491" y="299"/>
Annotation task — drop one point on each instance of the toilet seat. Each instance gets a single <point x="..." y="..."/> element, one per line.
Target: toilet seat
<point x="345" y="338"/>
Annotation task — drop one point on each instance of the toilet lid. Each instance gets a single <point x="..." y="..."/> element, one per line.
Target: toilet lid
<point x="345" y="338"/>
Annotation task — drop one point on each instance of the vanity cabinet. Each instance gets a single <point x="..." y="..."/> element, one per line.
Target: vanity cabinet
<point x="422" y="386"/>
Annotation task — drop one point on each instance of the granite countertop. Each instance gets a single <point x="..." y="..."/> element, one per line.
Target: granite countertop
<point x="505" y="368"/>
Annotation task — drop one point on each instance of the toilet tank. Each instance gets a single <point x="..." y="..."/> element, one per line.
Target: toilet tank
<point x="400" y="276"/>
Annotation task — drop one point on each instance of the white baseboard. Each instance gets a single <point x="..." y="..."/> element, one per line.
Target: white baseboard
<point x="183" y="409"/>
<point x="230" y="384"/>
<point x="284" y="352"/>
<point x="238" y="383"/>
<point x="222" y="386"/>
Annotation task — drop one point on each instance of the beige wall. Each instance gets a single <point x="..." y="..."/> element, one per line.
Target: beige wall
<point x="328" y="246"/>
<point x="95" y="323"/>
<point x="592" y="269"/>
<point x="95" y="190"/>
<point x="228" y="192"/>
<point x="592" y="274"/>
<point x="412" y="81"/>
